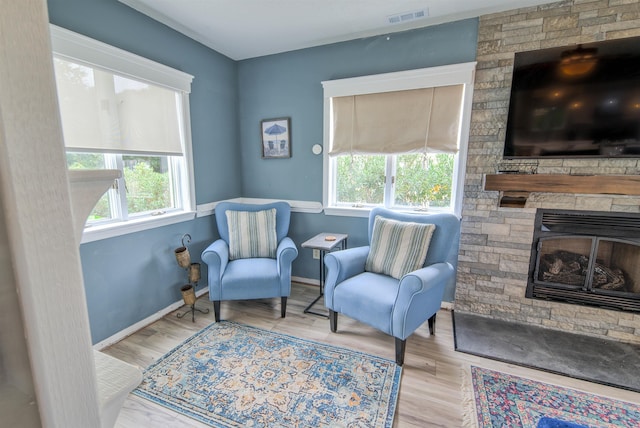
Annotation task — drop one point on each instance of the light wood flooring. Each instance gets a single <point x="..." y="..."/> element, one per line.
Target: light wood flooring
<point x="431" y="386"/>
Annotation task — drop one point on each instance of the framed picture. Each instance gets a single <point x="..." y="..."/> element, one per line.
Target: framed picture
<point x="276" y="138"/>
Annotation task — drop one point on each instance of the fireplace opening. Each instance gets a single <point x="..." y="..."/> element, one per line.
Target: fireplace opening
<point x="589" y="258"/>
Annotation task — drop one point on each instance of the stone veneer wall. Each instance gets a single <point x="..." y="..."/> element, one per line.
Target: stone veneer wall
<point x="496" y="242"/>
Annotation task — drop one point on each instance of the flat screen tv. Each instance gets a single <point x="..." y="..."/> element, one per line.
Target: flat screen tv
<point x="577" y="101"/>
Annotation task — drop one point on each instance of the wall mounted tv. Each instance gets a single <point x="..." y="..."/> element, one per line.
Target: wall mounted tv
<point x="577" y="101"/>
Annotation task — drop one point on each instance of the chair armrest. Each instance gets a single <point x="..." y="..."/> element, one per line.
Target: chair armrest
<point x="216" y="256"/>
<point x="286" y="253"/>
<point x="419" y="297"/>
<point x="426" y="278"/>
<point x="342" y="265"/>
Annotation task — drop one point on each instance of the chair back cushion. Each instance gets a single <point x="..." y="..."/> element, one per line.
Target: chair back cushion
<point x="283" y="216"/>
<point x="252" y="234"/>
<point x="398" y="247"/>
<point x="444" y="243"/>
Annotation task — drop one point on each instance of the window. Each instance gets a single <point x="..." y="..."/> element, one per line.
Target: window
<point x="121" y="111"/>
<point x="397" y="140"/>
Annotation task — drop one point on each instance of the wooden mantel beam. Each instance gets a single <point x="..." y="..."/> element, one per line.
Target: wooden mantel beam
<point x="559" y="183"/>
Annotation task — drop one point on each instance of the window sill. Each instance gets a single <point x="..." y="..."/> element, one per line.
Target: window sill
<point x="98" y="232"/>
<point x="348" y="211"/>
<point x="364" y="212"/>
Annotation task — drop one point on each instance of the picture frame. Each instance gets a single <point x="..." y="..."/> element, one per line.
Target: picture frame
<point x="276" y="138"/>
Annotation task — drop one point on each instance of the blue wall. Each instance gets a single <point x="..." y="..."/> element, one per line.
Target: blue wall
<point x="131" y="277"/>
<point x="289" y="85"/>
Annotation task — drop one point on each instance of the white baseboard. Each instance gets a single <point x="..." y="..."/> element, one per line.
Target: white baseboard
<point x="308" y="281"/>
<point x="143" y="323"/>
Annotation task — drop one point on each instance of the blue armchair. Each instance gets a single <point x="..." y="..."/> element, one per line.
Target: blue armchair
<point x="250" y="260"/>
<point x="395" y="305"/>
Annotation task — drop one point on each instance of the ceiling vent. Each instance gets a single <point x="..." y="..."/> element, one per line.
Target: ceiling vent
<point x="401" y="18"/>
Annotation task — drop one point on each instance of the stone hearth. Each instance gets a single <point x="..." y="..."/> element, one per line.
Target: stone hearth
<point x="593" y="359"/>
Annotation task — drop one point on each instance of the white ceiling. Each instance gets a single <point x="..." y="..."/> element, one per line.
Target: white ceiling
<point x="242" y="29"/>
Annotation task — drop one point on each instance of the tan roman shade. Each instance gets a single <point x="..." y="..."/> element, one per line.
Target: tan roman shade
<point x="417" y="120"/>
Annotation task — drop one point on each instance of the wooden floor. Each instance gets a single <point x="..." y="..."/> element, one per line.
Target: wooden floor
<point x="430" y="393"/>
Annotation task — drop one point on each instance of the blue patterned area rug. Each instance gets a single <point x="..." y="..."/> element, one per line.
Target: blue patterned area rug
<point x="504" y="400"/>
<point x="233" y="375"/>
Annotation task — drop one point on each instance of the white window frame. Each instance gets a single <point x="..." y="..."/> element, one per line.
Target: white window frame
<point x="84" y="50"/>
<point x="455" y="74"/>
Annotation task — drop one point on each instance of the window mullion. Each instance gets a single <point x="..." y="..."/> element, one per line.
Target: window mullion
<point x="121" y="205"/>
<point x="332" y="178"/>
<point x="390" y="172"/>
<point x="113" y="192"/>
<point x="179" y="195"/>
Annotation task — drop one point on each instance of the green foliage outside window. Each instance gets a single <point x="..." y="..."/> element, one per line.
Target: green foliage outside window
<point x="102" y="210"/>
<point x="147" y="186"/>
<point x="360" y="179"/>
<point x="85" y="160"/>
<point x="146" y="178"/>
<point x="424" y="181"/>
<point x="421" y="181"/>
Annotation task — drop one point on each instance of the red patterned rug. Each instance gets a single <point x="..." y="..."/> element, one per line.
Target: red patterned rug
<point x="504" y="400"/>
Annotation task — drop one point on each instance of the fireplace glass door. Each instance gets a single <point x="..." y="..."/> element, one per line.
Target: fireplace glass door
<point x="616" y="266"/>
<point x="588" y="263"/>
<point x="564" y="261"/>
<point x="589" y="258"/>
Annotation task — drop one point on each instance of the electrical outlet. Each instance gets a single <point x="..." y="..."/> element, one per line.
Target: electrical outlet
<point x="316" y="254"/>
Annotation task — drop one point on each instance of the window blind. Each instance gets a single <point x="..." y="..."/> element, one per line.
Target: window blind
<point x="107" y="113"/>
<point x="417" y="120"/>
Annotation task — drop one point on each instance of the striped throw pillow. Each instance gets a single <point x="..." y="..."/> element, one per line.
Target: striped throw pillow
<point x="397" y="247"/>
<point x="252" y="234"/>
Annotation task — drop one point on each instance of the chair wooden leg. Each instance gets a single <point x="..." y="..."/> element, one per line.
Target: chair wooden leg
<point x="432" y="324"/>
<point x="400" y="347"/>
<point x="333" y="320"/>
<point x="283" y="306"/>
<point x="216" y="309"/>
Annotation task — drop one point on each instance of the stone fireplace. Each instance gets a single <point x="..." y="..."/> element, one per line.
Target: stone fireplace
<point x="586" y="257"/>
<point x="496" y="241"/>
